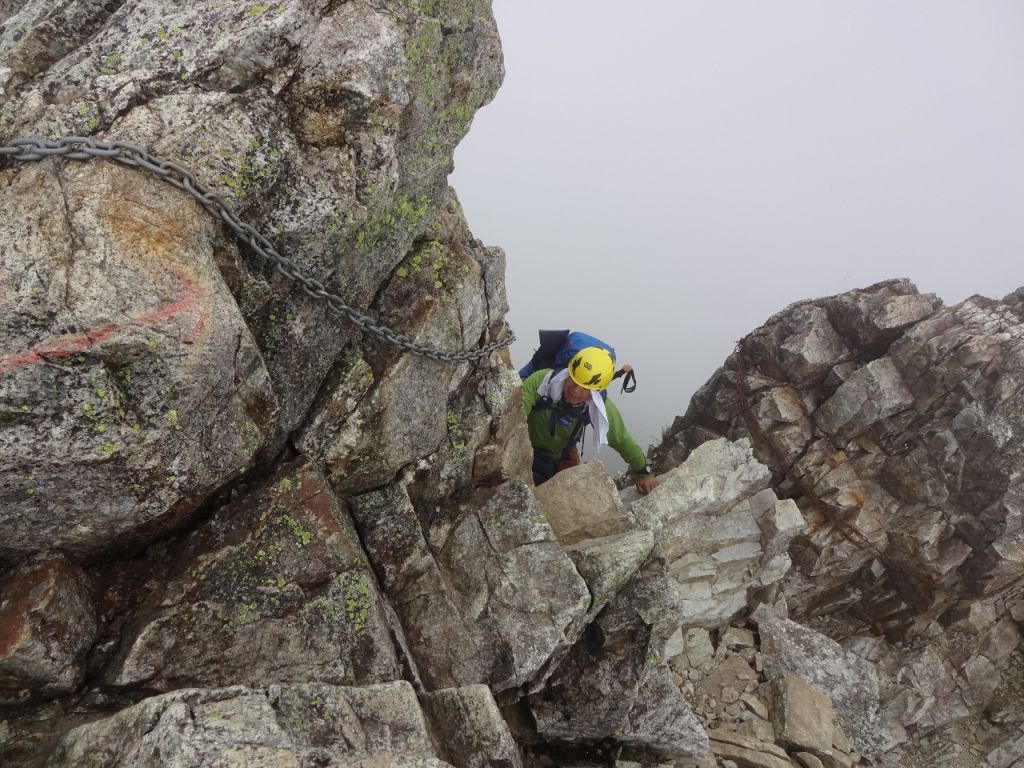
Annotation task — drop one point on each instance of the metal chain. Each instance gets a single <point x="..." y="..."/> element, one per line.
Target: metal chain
<point x="84" y="148"/>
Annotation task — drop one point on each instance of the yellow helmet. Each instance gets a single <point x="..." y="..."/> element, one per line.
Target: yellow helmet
<point x="592" y="368"/>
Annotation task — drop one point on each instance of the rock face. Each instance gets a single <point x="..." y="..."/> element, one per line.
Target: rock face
<point x="329" y="126"/>
<point x="134" y="386"/>
<point x="488" y="578"/>
<point x="849" y="682"/>
<point x="274" y="588"/>
<point x="288" y="725"/>
<point x="244" y="526"/>
<point x="895" y="425"/>
<point x="582" y="503"/>
<point x="718" y="524"/>
<point x="907" y="436"/>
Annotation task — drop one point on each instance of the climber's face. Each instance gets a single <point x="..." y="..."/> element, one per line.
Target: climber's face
<point x="574" y="394"/>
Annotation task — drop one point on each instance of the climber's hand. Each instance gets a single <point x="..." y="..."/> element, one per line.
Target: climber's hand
<point x="647" y="484"/>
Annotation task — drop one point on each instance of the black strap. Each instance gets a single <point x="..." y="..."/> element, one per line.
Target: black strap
<point x="629" y="382"/>
<point x="560" y="409"/>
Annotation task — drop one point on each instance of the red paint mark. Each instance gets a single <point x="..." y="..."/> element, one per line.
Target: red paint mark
<point x="190" y="292"/>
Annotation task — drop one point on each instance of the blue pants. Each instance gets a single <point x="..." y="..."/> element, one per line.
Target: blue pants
<point x="543" y="468"/>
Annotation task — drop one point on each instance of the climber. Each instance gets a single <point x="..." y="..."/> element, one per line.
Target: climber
<point x="560" y="404"/>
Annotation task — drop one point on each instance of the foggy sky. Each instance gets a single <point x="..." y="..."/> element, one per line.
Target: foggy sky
<point x="667" y="175"/>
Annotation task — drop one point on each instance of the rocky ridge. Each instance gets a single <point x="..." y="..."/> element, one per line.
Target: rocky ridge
<point x="240" y="531"/>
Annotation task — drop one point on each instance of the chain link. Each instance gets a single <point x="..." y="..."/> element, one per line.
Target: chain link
<point x="84" y="148"/>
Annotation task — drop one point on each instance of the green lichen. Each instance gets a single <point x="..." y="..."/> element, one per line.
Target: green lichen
<point x="435" y="62"/>
<point x="357" y="601"/>
<point x="249" y="171"/>
<point x="274" y="332"/>
<point x="247" y="613"/>
<point x="456" y="435"/>
<point x="302" y="536"/>
<point x="402" y="216"/>
<point x="440" y="270"/>
<point x="351" y="608"/>
<point x="256" y="10"/>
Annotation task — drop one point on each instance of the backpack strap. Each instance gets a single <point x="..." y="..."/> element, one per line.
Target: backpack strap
<point x="558" y="411"/>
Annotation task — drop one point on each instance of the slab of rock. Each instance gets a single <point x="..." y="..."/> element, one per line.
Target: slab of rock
<point x="47" y="626"/>
<point x="699" y="649"/>
<point x="1008" y="753"/>
<point x="810" y="347"/>
<point x="287" y="725"/>
<point x="807" y="760"/>
<point x="849" y="682"/>
<point x="727" y="744"/>
<point x="714" y="478"/>
<point x="724" y="533"/>
<point x="593" y="690"/>
<point x="608" y="563"/>
<point x="661" y="724"/>
<point x="468" y="728"/>
<point x="274" y="588"/>
<point x="801" y="714"/>
<point x="735" y="638"/>
<point x="873" y="318"/>
<point x="1001" y="640"/>
<point x="730" y="673"/>
<point x="926" y="696"/>
<point x="582" y="502"/>
<point x="507" y="455"/>
<point x="492" y="596"/>
<point x="402" y="415"/>
<point x="871" y="394"/>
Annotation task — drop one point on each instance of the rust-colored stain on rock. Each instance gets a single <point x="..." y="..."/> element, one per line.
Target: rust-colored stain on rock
<point x="25" y="593"/>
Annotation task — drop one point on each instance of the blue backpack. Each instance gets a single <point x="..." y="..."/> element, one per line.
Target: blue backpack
<point x="557" y="348"/>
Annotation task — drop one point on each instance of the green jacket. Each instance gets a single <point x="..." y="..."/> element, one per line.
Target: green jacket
<point x="553" y="446"/>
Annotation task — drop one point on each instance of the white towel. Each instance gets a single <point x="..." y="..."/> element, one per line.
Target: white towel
<point x="553" y="385"/>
